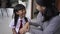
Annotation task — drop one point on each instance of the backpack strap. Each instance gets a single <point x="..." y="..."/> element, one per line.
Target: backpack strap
<point x="26" y="19"/>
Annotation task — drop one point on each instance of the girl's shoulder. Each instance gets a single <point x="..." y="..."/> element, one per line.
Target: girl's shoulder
<point x="29" y="20"/>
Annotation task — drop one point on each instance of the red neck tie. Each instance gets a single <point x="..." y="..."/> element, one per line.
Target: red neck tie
<point x="20" y="24"/>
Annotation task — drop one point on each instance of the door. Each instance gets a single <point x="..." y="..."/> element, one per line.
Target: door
<point x="58" y="4"/>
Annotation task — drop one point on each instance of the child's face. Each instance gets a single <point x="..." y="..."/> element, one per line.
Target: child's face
<point x="21" y="13"/>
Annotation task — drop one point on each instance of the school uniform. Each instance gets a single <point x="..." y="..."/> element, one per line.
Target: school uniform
<point x="11" y="25"/>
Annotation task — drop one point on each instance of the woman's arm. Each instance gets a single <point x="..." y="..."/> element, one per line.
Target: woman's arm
<point x="37" y="21"/>
<point x="14" y="31"/>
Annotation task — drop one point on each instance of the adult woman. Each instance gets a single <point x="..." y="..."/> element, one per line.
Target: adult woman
<point x="51" y="20"/>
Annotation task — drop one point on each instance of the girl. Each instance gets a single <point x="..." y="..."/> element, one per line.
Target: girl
<point x="20" y="24"/>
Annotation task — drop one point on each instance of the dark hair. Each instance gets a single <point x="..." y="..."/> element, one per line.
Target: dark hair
<point x="50" y="13"/>
<point x="41" y="2"/>
<point x="46" y="3"/>
<point x="16" y="9"/>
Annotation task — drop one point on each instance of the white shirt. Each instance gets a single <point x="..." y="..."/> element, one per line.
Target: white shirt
<point x="11" y="25"/>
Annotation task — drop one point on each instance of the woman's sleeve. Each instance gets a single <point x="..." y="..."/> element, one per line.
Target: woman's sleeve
<point x="37" y="21"/>
<point x="11" y="25"/>
<point x="53" y="26"/>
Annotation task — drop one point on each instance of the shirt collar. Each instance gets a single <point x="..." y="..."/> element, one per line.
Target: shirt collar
<point x="20" y="18"/>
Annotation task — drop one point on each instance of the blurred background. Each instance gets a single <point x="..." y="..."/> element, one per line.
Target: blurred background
<point x="6" y="11"/>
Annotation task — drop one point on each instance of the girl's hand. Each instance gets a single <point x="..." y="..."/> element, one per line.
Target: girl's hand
<point x="14" y="33"/>
<point x="22" y="31"/>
